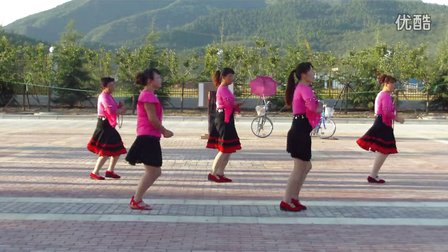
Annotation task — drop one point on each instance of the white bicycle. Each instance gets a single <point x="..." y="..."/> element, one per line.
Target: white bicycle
<point x="326" y="127"/>
<point x="262" y="126"/>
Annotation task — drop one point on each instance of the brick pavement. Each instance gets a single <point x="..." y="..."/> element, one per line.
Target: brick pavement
<point x="47" y="203"/>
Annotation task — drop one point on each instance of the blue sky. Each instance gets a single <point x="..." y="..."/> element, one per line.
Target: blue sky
<point x="12" y="10"/>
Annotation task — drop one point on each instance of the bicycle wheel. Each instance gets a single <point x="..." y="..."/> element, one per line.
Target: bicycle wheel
<point x="262" y="126"/>
<point x="327" y="129"/>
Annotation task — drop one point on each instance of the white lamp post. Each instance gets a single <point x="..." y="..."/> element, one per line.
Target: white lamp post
<point x="50" y="50"/>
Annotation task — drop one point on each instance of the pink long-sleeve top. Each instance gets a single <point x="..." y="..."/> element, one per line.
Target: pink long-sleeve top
<point x="226" y="100"/>
<point x="384" y="107"/>
<point x="107" y="107"/>
<point x="306" y="103"/>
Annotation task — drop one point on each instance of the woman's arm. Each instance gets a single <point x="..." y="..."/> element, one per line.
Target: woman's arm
<point x="388" y="107"/>
<point x="228" y="102"/>
<point x="311" y="102"/>
<point x="150" y="109"/>
<point x="109" y="105"/>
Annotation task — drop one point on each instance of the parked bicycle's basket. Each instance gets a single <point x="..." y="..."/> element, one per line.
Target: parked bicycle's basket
<point x="261" y="110"/>
<point x="329" y="111"/>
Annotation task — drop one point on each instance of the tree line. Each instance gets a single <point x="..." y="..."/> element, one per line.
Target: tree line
<point x="72" y="66"/>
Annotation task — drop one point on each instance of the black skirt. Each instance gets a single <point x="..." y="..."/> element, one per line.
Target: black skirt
<point x="379" y="137"/>
<point x="106" y="140"/>
<point x="223" y="136"/>
<point x="299" y="139"/>
<point x="146" y="150"/>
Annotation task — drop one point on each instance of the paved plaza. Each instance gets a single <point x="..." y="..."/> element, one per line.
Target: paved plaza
<point x="48" y="202"/>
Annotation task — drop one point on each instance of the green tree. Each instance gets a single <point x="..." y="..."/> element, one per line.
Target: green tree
<point x="100" y="63"/>
<point x="357" y="72"/>
<point x="7" y="69"/>
<point x="37" y="64"/>
<point x="438" y="86"/>
<point x="130" y="62"/>
<point x="71" y="75"/>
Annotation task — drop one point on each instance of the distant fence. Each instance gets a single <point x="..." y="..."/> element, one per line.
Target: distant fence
<point x="27" y="95"/>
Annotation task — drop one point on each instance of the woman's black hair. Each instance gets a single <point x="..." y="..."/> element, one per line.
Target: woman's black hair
<point x="142" y="77"/>
<point x="217" y="76"/>
<point x="302" y="68"/>
<point x="106" y="80"/>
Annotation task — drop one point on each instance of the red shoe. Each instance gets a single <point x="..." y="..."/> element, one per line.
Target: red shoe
<point x="376" y="180"/>
<point x="140" y="205"/>
<point x="96" y="177"/>
<point x="297" y="203"/>
<point x="224" y="179"/>
<point x="284" y="206"/>
<point x="113" y="175"/>
<point x="214" y="178"/>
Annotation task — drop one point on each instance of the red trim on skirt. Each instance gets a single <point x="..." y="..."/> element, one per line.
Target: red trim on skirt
<point x="103" y="152"/>
<point x="96" y="143"/>
<point x="109" y="150"/>
<point x="220" y="140"/>
<point x="377" y="139"/>
<point x="230" y="149"/>
<point x="218" y="143"/>
<point x="369" y="146"/>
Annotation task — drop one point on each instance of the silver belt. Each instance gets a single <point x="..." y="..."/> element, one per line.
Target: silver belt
<point x="299" y="117"/>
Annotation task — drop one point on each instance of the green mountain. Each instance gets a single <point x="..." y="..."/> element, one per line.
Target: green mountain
<point x="336" y="25"/>
<point x="18" y="39"/>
